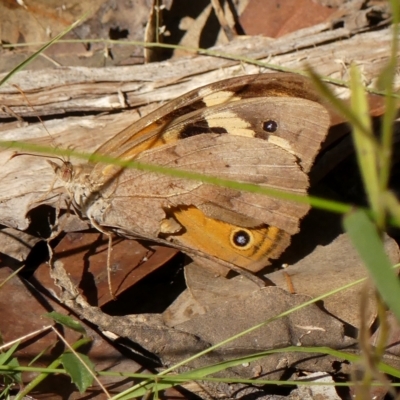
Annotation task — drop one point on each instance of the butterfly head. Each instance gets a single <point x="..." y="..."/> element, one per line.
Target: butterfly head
<point x="65" y="171"/>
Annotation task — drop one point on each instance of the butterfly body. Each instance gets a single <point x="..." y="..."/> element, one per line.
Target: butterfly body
<point x="257" y="129"/>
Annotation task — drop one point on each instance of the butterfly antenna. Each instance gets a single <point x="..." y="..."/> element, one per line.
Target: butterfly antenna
<point x="38" y="117"/>
<point x="17" y="153"/>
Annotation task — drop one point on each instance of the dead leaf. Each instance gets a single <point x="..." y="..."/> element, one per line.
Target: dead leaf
<point x="85" y="257"/>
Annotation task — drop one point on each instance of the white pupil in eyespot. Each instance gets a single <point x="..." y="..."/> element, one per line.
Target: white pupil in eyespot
<point x="241" y="238"/>
<point x="270" y="126"/>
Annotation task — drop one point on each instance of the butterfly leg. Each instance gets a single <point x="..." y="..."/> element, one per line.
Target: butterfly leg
<point x="109" y="235"/>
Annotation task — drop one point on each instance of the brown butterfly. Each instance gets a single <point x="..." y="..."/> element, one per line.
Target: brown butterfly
<point x="264" y="129"/>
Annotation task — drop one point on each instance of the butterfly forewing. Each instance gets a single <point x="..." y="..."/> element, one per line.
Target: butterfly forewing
<point x="231" y="157"/>
<point x="150" y="131"/>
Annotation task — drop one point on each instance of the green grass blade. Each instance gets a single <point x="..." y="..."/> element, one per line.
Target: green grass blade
<point x="23" y="64"/>
<point x="212" y="369"/>
<point x="392" y="205"/>
<point x="339" y="105"/>
<point x="366" y="150"/>
<point x="5" y="357"/>
<point x="67" y="321"/>
<point x="203" y="373"/>
<point x="9" y="277"/>
<point x="365" y="237"/>
<point x="330" y="205"/>
<point x="386" y="85"/>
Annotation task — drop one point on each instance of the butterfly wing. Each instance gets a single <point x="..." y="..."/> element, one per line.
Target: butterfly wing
<point x="254" y="137"/>
<point x="299" y="126"/>
<point x="230" y="157"/>
<point x="155" y="129"/>
<point x="242" y="228"/>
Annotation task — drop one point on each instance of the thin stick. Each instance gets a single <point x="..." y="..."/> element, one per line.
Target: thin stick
<point x="219" y="12"/>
